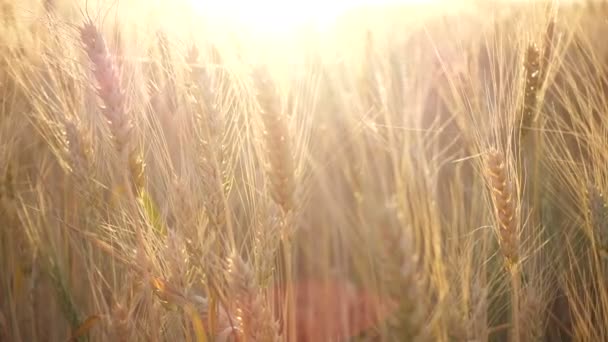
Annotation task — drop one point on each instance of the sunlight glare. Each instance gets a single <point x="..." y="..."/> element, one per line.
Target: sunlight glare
<point x="276" y="16"/>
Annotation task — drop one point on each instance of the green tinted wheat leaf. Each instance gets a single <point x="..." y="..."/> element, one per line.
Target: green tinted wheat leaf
<point x="152" y="213"/>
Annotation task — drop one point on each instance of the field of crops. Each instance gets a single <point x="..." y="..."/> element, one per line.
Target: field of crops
<point x="431" y="171"/>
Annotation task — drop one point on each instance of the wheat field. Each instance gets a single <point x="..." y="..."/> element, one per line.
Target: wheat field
<point x="421" y="172"/>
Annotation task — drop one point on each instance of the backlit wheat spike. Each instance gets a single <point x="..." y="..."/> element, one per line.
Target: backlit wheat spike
<point x="254" y="319"/>
<point x="113" y="98"/>
<point x="278" y="147"/>
<point x="109" y="90"/>
<point x="213" y="152"/>
<point x="205" y="91"/>
<point x="503" y="197"/>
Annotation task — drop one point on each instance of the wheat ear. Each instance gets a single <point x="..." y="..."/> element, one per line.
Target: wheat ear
<point x="532" y="84"/>
<point x="503" y="197"/>
<point x="112" y="95"/>
<point x="277" y="140"/>
<point x="253" y="318"/>
<point x="505" y="210"/>
<point x="108" y="81"/>
<point x="210" y="120"/>
<point x="282" y="177"/>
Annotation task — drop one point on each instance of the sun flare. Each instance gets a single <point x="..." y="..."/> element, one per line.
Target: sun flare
<point x="276" y="16"/>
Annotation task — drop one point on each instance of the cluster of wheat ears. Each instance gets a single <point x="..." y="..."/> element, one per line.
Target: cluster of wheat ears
<point x="428" y="179"/>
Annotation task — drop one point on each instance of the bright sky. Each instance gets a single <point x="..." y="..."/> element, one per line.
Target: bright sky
<point x="280" y="15"/>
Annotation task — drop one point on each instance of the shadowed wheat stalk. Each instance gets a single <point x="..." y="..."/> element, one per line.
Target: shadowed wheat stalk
<point x="532" y="65"/>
